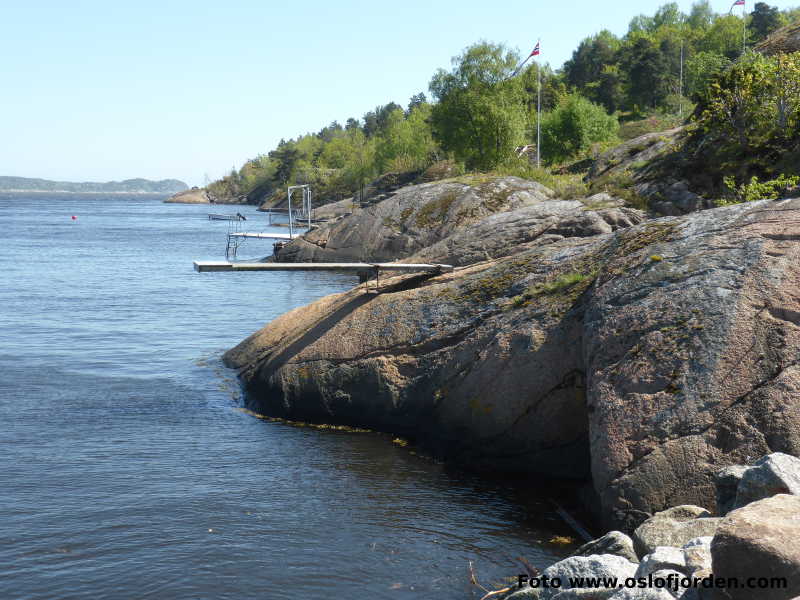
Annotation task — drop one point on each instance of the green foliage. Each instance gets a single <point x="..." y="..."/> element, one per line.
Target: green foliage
<point x="480" y="115"/>
<point x="758" y="190"/>
<point x="572" y="128"/>
<point x="565" y="286"/>
<point x="407" y="143"/>
<point x="751" y="114"/>
<point x="701" y="69"/>
<point x="764" y="20"/>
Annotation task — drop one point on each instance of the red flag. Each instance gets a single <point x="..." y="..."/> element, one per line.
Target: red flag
<point x="537" y="50"/>
<point x="738" y="3"/>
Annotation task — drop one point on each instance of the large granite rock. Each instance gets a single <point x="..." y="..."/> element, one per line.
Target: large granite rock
<point x="693" y="361"/>
<point x="761" y="540"/>
<point x="411" y="219"/>
<point x="455" y="223"/>
<point x="772" y="475"/>
<point x="650" y="357"/>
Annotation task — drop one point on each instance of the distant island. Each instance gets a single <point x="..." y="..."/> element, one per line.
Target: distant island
<point x="129" y="186"/>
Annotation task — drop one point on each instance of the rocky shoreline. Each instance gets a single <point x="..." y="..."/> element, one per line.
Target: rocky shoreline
<point x="751" y="550"/>
<point x="578" y="339"/>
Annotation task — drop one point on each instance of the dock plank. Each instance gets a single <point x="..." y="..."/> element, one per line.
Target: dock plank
<point x="221" y="266"/>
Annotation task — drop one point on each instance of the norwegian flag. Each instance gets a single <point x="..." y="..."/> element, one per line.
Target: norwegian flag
<point x="738" y="3"/>
<point x="537" y="50"/>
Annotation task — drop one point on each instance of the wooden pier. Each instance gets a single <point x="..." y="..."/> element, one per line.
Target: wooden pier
<point x="264" y="236"/>
<point x="217" y="266"/>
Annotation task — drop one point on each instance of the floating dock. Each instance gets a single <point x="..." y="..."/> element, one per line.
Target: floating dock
<point x="216" y="266"/>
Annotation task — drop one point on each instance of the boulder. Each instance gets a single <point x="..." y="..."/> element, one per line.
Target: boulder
<point x="586" y="566"/>
<point x="727" y="484"/>
<point x="761" y="540"/>
<point x="772" y="475"/>
<point x="662" y="558"/>
<point x="614" y="542"/>
<point x="673" y="528"/>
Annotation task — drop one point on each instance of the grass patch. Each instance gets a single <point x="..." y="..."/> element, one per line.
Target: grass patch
<point x="566" y="287"/>
<point x="435" y="211"/>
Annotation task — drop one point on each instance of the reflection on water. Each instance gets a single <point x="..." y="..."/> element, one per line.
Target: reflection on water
<point x="128" y="469"/>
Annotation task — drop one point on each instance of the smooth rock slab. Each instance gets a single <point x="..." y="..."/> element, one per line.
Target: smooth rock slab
<point x="759" y="540"/>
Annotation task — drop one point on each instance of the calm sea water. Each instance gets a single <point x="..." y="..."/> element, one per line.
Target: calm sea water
<point x="128" y="469"/>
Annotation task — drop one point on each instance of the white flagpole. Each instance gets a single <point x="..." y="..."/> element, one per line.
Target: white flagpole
<point x="539" y="112"/>
<point x="744" y="28"/>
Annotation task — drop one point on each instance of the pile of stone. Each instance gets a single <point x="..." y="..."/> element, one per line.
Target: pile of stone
<point x="757" y="534"/>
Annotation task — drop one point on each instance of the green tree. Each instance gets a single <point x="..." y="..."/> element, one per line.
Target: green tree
<point x="701" y="69"/>
<point x="407" y="143"/>
<point x="724" y="37"/>
<point x="701" y="16"/>
<point x="416" y="101"/>
<point x="590" y="59"/>
<point x="650" y="73"/>
<point x="285" y="157"/>
<point x="763" y="20"/>
<point x="573" y="127"/>
<point x="480" y="113"/>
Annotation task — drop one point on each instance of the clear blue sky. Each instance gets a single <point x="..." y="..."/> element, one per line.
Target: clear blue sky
<point x="97" y="91"/>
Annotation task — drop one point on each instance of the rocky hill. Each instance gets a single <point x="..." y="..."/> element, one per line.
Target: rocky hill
<point x="458" y="222"/>
<point x="128" y="186"/>
<point x="577" y="339"/>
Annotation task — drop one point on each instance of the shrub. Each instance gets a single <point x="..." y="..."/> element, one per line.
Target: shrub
<point x="758" y="190"/>
<point x="573" y="127"/>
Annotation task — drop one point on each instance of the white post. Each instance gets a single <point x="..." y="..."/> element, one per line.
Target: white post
<point x="291" y="230"/>
<point x="539" y="117"/>
<point x="309" y="208"/>
<point x="744" y="28"/>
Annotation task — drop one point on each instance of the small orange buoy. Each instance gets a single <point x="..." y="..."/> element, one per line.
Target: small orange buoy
<point x="74" y="218"/>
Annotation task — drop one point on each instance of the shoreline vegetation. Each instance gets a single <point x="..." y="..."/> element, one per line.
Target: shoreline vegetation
<point x="625" y="317"/>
